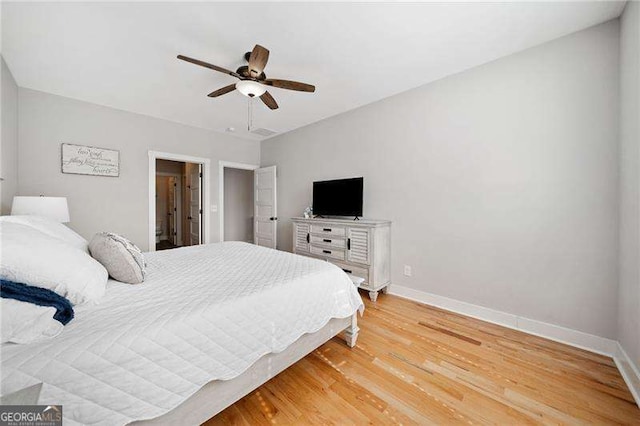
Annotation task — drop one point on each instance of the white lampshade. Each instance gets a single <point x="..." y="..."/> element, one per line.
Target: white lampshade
<point x="250" y="88"/>
<point x="55" y="208"/>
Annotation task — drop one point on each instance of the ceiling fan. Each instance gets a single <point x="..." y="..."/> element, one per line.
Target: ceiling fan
<point x="252" y="78"/>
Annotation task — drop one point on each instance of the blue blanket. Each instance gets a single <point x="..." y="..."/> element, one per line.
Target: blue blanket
<point x="38" y="296"/>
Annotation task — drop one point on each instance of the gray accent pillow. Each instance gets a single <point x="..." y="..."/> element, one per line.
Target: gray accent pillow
<point x="121" y="258"/>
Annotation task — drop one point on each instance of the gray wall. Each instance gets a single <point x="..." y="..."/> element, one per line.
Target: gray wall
<point x="104" y="203"/>
<point x="501" y="181"/>
<point x="238" y="205"/>
<point x="9" y="135"/>
<point x="629" y="302"/>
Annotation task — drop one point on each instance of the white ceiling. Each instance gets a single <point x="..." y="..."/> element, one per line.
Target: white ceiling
<point x="123" y="55"/>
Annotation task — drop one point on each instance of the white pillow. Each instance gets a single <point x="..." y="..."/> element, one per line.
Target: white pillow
<point x="24" y="322"/>
<point x="50" y="227"/>
<point x="122" y="259"/>
<point x="31" y="257"/>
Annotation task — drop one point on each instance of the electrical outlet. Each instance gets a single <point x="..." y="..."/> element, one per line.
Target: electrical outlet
<point x="407" y="270"/>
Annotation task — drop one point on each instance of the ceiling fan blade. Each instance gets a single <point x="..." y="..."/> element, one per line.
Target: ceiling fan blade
<point x="269" y="101"/>
<point x="225" y="89"/>
<point x="290" y="85"/>
<point x="257" y="60"/>
<point x="208" y="65"/>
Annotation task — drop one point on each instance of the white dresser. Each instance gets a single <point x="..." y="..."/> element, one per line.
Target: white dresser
<point x="362" y="248"/>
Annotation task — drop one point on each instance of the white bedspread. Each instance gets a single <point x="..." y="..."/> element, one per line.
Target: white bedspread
<point x="204" y="313"/>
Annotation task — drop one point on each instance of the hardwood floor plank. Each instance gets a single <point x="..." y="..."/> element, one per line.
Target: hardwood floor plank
<point x="451" y="333"/>
<point x="416" y="364"/>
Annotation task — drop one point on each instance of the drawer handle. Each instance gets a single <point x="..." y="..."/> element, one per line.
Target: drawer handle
<point x="348" y="243"/>
<point x="326" y="251"/>
<point x="308" y="237"/>
<point x="326" y="240"/>
<point x="348" y="271"/>
<point x="326" y="229"/>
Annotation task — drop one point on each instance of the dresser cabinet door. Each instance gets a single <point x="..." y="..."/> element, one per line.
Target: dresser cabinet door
<point x="358" y="240"/>
<point x="301" y="237"/>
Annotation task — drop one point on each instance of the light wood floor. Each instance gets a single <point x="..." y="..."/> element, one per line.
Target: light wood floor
<point x="415" y="364"/>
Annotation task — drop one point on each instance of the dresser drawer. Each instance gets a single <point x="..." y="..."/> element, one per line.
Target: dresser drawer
<point x="328" y="252"/>
<point x="355" y="271"/>
<point x="329" y="230"/>
<point x="328" y="241"/>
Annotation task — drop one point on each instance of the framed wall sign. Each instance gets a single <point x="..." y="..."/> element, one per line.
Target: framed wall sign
<point x="89" y="160"/>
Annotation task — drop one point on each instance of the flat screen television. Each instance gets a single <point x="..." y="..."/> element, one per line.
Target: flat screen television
<point x="341" y="197"/>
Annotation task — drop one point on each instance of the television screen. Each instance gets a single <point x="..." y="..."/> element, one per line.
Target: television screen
<point x="342" y="197"/>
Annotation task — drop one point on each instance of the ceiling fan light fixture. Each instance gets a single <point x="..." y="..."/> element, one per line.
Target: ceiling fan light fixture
<point x="250" y="88"/>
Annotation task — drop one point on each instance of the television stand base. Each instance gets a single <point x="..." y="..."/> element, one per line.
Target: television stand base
<point x="319" y="216"/>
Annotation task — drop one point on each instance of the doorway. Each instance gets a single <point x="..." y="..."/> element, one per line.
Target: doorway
<point x="178" y="187"/>
<point x="260" y="206"/>
<point x="178" y="204"/>
<point x="236" y="201"/>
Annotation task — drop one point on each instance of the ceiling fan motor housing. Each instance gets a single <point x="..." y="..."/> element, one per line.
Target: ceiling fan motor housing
<point x="244" y="72"/>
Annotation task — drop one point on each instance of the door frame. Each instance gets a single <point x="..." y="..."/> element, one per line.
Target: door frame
<point x="206" y="180"/>
<point x="229" y="165"/>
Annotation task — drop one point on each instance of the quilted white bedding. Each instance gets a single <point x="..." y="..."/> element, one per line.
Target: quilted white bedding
<point x="203" y="313"/>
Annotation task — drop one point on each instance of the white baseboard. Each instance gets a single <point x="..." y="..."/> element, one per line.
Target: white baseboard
<point x="629" y="372"/>
<point x="579" y="339"/>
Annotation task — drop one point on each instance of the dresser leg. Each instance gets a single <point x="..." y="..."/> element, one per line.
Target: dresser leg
<point x="385" y="290"/>
<point x="373" y="295"/>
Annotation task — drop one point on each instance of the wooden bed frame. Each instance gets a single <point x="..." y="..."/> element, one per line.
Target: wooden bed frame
<point x="217" y="395"/>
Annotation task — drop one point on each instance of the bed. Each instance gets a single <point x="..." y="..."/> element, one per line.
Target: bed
<point x="209" y="324"/>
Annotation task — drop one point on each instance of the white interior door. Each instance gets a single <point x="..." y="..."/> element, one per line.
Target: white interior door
<point x="195" y="202"/>
<point x="265" y="207"/>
